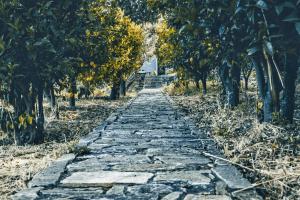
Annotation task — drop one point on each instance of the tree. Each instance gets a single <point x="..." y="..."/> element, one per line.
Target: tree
<point x="165" y="48"/>
<point x="45" y="43"/>
<point x="274" y="49"/>
<point x="122" y="44"/>
<point x="266" y="31"/>
<point x="34" y="56"/>
<point x="30" y="58"/>
<point x="182" y="17"/>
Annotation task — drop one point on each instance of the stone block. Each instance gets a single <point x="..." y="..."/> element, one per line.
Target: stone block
<point x="192" y="177"/>
<point x="51" y="175"/>
<point x="231" y="176"/>
<point x="206" y="197"/>
<point x="105" y="178"/>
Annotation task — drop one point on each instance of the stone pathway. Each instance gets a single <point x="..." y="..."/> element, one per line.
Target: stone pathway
<point x="146" y="150"/>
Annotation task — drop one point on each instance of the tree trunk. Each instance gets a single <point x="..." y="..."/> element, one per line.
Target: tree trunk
<point x="87" y="93"/>
<point x="197" y="84"/>
<point x="186" y="85"/>
<point x="268" y="88"/>
<point x="246" y="81"/>
<point x="19" y="109"/>
<point x="260" y="79"/>
<point x="40" y="118"/>
<point x="48" y="95"/>
<point x="196" y="80"/>
<point x="268" y="105"/>
<point x="223" y="70"/>
<point x="273" y="83"/>
<point x="230" y="78"/>
<point x="73" y="91"/>
<point x="52" y="98"/>
<point x="25" y="133"/>
<point x="235" y="75"/>
<point x="288" y="99"/>
<point x="123" y="88"/>
<point x="54" y="106"/>
<point x="204" y="86"/>
<point x="115" y="91"/>
<point x="18" y="102"/>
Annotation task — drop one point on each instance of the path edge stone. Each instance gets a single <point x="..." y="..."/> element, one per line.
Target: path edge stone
<point x="27" y="194"/>
<point x="51" y="175"/>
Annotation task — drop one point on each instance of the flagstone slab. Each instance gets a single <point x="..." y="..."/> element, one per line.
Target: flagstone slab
<point x="105" y="178"/>
<point x="72" y="193"/>
<point x="27" y="194"/>
<point x="173" y="196"/>
<point x="180" y="159"/>
<point x="192" y="177"/>
<point x="146" y="167"/>
<point x="156" y="151"/>
<point x="89" y="165"/>
<point x="51" y="175"/>
<point x="116" y="190"/>
<point x="231" y="176"/>
<point x="153" y="190"/>
<point x="206" y="197"/>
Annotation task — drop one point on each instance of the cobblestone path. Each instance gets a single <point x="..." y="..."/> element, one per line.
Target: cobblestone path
<point x="146" y="150"/>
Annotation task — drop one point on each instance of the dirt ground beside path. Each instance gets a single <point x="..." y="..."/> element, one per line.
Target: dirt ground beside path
<point x="272" y="152"/>
<point x="19" y="164"/>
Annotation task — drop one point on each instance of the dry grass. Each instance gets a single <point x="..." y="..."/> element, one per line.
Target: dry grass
<point x="271" y="152"/>
<point x="19" y="164"/>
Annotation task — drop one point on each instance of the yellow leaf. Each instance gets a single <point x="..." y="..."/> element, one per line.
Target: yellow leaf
<point x="10" y="125"/>
<point x="93" y="64"/>
<point x="274" y="146"/>
<point x="259" y="105"/>
<point x="88" y="33"/>
<point x="21" y="119"/>
<point x="72" y="95"/>
<point x="29" y="120"/>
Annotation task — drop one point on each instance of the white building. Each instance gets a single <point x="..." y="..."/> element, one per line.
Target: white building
<point x="150" y="66"/>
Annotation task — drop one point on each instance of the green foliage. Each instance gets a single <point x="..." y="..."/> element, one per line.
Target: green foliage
<point x="114" y="45"/>
<point x="138" y="10"/>
<point x="165" y="47"/>
<point x="45" y="43"/>
<point x="214" y="34"/>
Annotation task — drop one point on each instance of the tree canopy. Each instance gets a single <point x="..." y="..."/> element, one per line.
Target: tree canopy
<point x="45" y="43"/>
